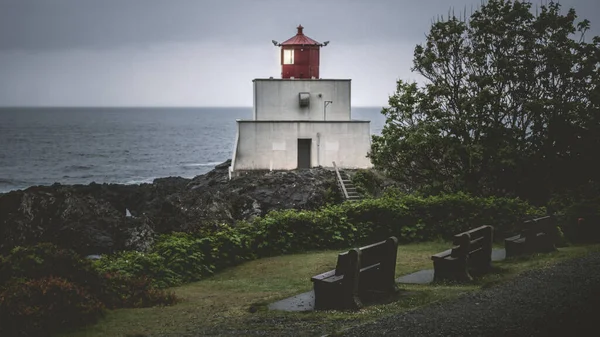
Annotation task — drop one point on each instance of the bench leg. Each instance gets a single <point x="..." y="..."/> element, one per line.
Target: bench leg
<point x="480" y="263"/>
<point x="389" y="266"/>
<point x="324" y="295"/>
<point x="451" y="270"/>
<point x="543" y="243"/>
<point x="514" y="248"/>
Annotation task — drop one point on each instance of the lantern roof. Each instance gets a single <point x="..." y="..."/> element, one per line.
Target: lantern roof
<point x="300" y="39"/>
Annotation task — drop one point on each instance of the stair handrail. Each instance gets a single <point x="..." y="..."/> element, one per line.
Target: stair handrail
<point x="339" y="176"/>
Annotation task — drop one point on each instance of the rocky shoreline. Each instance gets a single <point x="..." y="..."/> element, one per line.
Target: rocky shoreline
<point x="103" y="218"/>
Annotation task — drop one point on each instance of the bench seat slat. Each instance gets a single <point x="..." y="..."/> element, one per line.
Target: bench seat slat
<point x="333" y="279"/>
<point x="517" y="239"/>
<point x="442" y="255"/>
<point x="323" y="276"/>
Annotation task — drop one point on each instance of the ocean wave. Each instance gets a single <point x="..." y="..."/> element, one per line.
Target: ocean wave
<point x="214" y="163"/>
<point x="85" y="176"/>
<point x="11" y="182"/>
<point x="79" y="167"/>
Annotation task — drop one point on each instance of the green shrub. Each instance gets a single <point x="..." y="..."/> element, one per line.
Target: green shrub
<point x="177" y="258"/>
<point x="120" y="291"/>
<point x="367" y="183"/>
<point x="283" y="232"/>
<point x="180" y="257"/>
<point x="46" y="278"/>
<point x="48" y="260"/>
<point x="579" y="217"/>
<point x="227" y="246"/>
<point x="135" y="264"/>
<point x="409" y="217"/>
<point x="562" y="240"/>
<point x="183" y="255"/>
<point x="333" y="195"/>
<point x="46" y="305"/>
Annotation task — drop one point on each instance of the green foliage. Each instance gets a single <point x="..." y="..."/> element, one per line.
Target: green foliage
<point x="288" y="231"/>
<point x="121" y="291"/>
<point x="136" y="264"/>
<point x="44" y="288"/>
<point x="332" y="196"/>
<point x="578" y="211"/>
<point x="181" y="257"/>
<point x="46" y="305"/>
<point x="45" y="259"/>
<point x="562" y="240"/>
<point x="511" y="106"/>
<point x="227" y="246"/>
<point x="367" y="183"/>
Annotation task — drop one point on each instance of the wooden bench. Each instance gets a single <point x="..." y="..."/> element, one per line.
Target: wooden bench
<point x="360" y="270"/>
<point x="538" y="236"/>
<point x="472" y="251"/>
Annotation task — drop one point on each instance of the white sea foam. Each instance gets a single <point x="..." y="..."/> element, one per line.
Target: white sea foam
<point x="214" y="163"/>
<point x="138" y="181"/>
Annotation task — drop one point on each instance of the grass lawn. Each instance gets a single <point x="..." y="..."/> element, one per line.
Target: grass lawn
<point x="234" y="301"/>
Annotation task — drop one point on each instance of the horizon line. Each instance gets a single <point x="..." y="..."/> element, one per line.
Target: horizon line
<point x="146" y="107"/>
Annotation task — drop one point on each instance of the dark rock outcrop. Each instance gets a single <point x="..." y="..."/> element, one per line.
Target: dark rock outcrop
<point x="92" y="218"/>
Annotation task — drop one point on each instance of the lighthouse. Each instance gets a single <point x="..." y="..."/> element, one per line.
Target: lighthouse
<point x="300" y="120"/>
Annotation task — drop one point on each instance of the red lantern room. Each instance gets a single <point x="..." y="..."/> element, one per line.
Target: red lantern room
<point x="300" y="56"/>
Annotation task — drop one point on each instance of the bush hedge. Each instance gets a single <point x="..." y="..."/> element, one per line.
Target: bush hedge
<point x="367" y="182"/>
<point x="179" y="257"/>
<point x="579" y="213"/>
<point x="45" y="289"/>
<point x="46" y="305"/>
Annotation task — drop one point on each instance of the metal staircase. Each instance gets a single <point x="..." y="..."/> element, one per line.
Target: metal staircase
<point x="345" y="184"/>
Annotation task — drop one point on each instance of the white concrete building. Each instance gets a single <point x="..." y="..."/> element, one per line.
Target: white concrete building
<point x="301" y="120"/>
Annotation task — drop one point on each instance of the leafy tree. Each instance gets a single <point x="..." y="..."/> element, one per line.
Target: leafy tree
<point x="510" y="105"/>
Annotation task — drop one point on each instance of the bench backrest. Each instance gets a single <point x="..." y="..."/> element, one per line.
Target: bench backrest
<point x="472" y="240"/>
<point x="544" y="224"/>
<point x="370" y="255"/>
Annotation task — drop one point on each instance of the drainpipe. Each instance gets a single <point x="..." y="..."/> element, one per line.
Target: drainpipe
<point x="318" y="149"/>
<point x="326" y="103"/>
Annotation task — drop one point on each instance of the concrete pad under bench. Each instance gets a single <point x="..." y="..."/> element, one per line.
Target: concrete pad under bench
<point x="420" y="277"/>
<point x="300" y="302"/>
<point x="498" y="254"/>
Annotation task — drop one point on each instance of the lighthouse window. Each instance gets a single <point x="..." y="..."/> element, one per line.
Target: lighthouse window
<point x="288" y="56"/>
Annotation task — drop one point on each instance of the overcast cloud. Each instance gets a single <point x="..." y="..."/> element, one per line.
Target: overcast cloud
<point x="205" y="52"/>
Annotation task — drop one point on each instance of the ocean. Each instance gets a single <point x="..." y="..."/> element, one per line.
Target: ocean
<point x="42" y="146"/>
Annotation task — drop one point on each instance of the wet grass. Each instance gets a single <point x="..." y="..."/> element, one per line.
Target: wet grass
<point x="235" y="301"/>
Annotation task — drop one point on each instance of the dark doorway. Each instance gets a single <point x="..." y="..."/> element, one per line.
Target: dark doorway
<point x="304" y="146"/>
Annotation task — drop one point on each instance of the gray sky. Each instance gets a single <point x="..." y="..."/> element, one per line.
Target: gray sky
<point x="205" y="52"/>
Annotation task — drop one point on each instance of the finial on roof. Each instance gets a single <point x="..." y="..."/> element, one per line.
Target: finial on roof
<point x="300" y="28"/>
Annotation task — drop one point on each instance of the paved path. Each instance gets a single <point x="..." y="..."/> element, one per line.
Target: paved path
<point x="563" y="300"/>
